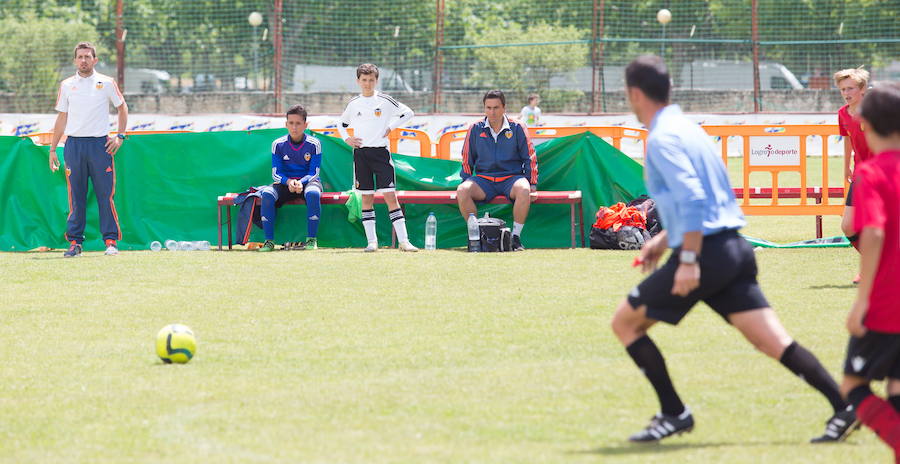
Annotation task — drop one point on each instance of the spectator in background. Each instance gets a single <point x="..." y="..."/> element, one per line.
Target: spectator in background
<point x="531" y="114"/>
<point x="852" y="83"/>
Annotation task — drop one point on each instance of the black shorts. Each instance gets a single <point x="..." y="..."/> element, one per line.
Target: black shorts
<point x="727" y="282"/>
<point x="373" y="170"/>
<point x="284" y="195"/>
<point x="849" y="201"/>
<point x="874" y="356"/>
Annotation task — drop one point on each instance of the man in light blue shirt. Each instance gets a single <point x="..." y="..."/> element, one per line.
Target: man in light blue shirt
<point x="689" y="183"/>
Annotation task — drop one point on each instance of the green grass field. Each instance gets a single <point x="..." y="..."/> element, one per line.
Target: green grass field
<point x="337" y="356"/>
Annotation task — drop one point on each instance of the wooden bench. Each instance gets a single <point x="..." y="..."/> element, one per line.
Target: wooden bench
<point x="423" y="197"/>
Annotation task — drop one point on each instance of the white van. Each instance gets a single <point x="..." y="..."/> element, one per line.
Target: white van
<point x="137" y="80"/>
<point x="735" y="75"/>
<point x="312" y="78"/>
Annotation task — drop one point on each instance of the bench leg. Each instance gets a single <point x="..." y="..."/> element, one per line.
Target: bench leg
<point x="230" y="236"/>
<point x="581" y="222"/>
<point x="819" y="218"/>
<point x="219" y="214"/>
<point x="572" y="221"/>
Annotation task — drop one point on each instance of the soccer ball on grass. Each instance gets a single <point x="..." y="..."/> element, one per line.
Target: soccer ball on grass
<point x="175" y="343"/>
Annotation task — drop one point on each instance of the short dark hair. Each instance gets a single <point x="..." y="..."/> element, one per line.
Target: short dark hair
<point x="495" y="94"/>
<point x="533" y="97"/>
<point x="85" y="46"/>
<point x="881" y="108"/>
<point x="649" y="74"/>
<point x="299" y="110"/>
<point x="366" y="68"/>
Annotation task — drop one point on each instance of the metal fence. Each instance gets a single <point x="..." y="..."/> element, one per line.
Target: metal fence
<point x="257" y="56"/>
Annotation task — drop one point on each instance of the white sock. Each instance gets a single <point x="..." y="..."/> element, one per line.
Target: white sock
<point x="368" y="220"/>
<point x="517" y="229"/>
<point x="399" y="225"/>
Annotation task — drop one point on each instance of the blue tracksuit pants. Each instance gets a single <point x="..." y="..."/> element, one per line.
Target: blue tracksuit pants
<point x="86" y="158"/>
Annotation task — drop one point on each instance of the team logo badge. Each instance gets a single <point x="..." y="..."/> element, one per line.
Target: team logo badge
<point x="307" y="157"/>
<point x="509" y="134"/>
<point x="483" y="134"/>
<point x="99" y="86"/>
<point x="377" y="112"/>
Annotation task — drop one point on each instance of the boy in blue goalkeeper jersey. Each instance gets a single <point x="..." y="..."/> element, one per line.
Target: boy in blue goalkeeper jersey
<point x="296" y="159"/>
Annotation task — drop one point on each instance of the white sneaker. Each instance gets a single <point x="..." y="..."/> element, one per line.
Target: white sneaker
<point x="111" y="250"/>
<point x="406" y="246"/>
<point x="373" y="246"/>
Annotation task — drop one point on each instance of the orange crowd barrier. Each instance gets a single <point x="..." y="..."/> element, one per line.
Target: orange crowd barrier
<point x="778" y="149"/>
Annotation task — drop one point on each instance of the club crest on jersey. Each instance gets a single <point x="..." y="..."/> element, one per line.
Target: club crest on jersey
<point x="377" y="112"/>
<point x="307" y="157"/>
<point x="509" y="134"/>
<point x="98" y="86"/>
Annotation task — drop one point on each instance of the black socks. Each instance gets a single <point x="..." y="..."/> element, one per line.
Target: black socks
<point x="648" y="358"/>
<point x="803" y="363"/>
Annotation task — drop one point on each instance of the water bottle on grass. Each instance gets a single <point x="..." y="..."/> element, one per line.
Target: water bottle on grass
<point x="474" y="234"/>
<point x="431" y="232"/>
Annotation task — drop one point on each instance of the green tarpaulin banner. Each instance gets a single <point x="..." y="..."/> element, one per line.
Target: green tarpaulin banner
<point x="167" y="184"/>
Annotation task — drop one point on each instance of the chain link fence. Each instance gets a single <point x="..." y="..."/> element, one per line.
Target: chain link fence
<point x="258" y="56"/>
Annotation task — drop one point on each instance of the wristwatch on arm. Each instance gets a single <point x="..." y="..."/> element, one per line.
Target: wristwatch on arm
<point x="120" y="136"/>
<point x="688" y="257"/>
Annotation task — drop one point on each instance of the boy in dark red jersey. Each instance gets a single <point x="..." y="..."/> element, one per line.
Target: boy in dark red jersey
<point x="873" y="352"/>
<point x="852" y="83"/>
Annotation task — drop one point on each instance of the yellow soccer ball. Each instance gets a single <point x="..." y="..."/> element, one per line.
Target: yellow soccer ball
<point x="175" y="343"/>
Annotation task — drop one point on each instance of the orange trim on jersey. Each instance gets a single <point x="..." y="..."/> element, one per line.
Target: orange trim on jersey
<point x="465" y="151"/>
<point x="112" y="204"/>
<point x="493" y="179"/>
<point x="116" y="88"/>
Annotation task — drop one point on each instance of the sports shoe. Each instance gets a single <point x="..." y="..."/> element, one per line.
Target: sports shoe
<point x="74" y="250"/>
<point x="857" y="279"/>
<point x="406" y="246"/>
<point x="839" y="427"/>
<point x="664" y="425"/>
<point x="267" y="247"/>
<point x="517" y="244"/>
<point x="373" y="246"/>
<point x="111" y="248"/>
<point x="312" y="243"/>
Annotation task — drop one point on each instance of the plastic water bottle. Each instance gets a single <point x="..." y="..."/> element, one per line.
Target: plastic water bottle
<point x="185" y="246"/>
<point x="201" y="245"/>
<point x="431" y="232"/>
<point x="474" y="234"/>
<point x="155" y="245"/>
<point x="171" y="245"/>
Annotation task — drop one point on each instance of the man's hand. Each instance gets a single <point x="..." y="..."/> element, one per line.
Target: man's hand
<point x="855" y="318"/>
<point x="294" y="185"/>
<point x="54" y="160"/>
<point x="387" y="133"/>
<point x="848" y="174"/>
<point x="687" y="278"/>
<point x="112" y="145"/>
<point x="651" y="252"/>
<point x="354" y="142"/>
<point x="533" y="194"/>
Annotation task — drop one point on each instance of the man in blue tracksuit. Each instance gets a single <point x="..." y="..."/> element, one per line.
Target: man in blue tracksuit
<point x="498" y="159"/>
<point x="296" y="159"/>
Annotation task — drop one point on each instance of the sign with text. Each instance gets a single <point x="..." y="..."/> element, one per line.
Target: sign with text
<point x="775" y="151"/>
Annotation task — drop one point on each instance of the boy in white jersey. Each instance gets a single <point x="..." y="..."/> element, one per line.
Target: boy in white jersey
<point x="373" y="115"/>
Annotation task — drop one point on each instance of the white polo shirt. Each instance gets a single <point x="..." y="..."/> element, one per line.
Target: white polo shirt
<point x="87" y="99"/>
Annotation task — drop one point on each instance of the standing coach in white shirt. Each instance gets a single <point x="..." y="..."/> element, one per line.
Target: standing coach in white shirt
<point x="83" y="106"/>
